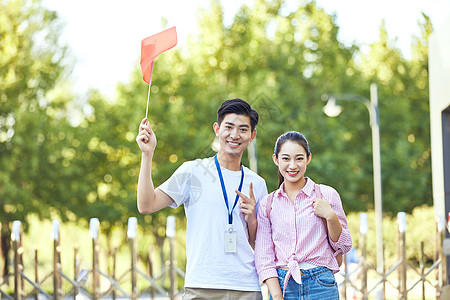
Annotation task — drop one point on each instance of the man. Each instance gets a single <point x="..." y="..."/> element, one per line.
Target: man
<point x="221" y="230"/>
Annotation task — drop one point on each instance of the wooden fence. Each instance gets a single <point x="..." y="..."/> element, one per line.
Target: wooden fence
<point x="26" y="285"/>
<point x="401" y="285"/>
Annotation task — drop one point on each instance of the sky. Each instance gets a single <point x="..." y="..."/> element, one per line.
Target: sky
<point x="104" y="36"/>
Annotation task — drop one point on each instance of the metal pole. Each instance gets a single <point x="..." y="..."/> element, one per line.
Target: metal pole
<point x="376" y="153"/>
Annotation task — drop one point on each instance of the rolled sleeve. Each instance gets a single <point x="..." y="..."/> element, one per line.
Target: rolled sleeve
<point x="265" y="260"/>
<point x="344" y="243"/>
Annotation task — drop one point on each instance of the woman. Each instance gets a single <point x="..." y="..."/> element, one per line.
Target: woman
<point x="299" y="231"/>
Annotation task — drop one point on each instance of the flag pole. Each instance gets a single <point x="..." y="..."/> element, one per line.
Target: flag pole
<point x="149" y="85"/>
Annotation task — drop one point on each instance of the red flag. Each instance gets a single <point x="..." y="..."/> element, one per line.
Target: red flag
<point x="153" y="46"/>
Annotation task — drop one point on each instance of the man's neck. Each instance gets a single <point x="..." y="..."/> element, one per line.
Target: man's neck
<point x="230" y="162"/>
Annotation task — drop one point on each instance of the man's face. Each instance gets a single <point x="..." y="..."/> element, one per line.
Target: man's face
<point x="234" y="134"/>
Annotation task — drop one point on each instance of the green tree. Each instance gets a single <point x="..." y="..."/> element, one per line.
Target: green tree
<point x="404" y="119"/>
<point x="30" y="67"/>
<point x="279" y="63"/>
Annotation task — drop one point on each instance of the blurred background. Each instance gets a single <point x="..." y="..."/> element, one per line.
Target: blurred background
<point x="72" y="97"/>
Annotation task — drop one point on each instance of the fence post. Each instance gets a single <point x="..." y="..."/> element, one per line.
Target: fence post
<point x="150" y="270"/>
<point x="94" y="227"/>
<point x="363" y="229"/>
<point x="16" y="237"/>
<point x="132" y="228"/>
<point x="422" y="267"/>
<point x="36" y="273"/>
<point x="401" y="222"/>
<point x="344" y="284"/>
<point x="75" y="272"/>
<point x="57" y="284"/>
<point x="170" y="232"/>
<point x="114" y="271"/>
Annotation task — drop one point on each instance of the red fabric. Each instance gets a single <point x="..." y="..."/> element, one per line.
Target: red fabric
<point x="153" y="46"/>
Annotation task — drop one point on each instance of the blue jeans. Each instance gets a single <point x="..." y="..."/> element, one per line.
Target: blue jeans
<point x="317" y="283"/>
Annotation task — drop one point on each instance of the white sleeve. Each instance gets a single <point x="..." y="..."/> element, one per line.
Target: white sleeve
<point x="178" y="186"/>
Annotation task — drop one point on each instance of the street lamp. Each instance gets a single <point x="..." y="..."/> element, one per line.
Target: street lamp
<point x="333" y="110"/>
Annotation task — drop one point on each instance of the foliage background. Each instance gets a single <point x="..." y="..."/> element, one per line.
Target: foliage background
<point x="65" y="158"/>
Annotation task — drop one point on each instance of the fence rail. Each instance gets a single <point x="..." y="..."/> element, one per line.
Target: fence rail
<point x="77" y="283"/>
<point x="355" y="275"/>
<point x="377" y="290"/>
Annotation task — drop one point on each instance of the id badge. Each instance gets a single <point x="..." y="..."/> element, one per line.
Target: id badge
<point x="230" y="240"/>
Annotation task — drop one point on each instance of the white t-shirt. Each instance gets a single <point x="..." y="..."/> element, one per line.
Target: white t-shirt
<point x="196" y="184"/>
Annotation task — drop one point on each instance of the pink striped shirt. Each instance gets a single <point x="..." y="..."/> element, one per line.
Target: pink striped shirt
<point x="297" y="234"/>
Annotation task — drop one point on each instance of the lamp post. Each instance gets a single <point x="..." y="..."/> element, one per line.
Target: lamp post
<point x="333" y="110"/>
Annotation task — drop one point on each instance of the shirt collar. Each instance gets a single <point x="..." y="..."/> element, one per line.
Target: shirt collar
<point x="307" y="189"/>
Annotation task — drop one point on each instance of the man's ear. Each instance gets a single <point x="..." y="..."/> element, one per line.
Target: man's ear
<point x="216" y="128"/>
<point x="253" y="134"/>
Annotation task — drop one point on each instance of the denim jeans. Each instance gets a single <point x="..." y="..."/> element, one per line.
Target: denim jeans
<point x="317" y="283"/>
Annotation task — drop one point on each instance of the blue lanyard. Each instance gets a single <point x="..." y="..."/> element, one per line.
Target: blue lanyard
<point x="224" y="191"/>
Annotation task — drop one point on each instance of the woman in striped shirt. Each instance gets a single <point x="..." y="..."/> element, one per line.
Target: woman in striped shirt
<point x="301" y="229"/>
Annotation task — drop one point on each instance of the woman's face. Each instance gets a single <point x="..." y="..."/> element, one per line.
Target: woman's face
<point x="292" y="161"/>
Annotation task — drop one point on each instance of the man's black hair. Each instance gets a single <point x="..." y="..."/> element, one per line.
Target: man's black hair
<point x="239" y="107"/>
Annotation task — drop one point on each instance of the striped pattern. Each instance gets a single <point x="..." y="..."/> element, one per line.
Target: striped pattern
<point x="297" y="234"/>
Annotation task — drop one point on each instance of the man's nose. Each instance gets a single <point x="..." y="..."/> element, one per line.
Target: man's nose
<point x="234" y="133"/>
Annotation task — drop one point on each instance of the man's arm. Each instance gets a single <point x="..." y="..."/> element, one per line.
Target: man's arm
<point x="148" y="200"/>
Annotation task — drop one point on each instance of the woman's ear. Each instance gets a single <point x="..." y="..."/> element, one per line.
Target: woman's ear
<point x="275" y="159"/>
<point x="309" y="159"/>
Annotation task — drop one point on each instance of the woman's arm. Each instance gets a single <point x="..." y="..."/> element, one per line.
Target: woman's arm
<point x="322" y="208"/>
<point x="274" y="288"/>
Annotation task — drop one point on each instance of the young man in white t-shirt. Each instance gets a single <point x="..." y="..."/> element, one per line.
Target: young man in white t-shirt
<point x="219" y="196"/>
